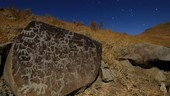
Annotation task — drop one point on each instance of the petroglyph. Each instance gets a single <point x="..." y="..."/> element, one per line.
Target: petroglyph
<point x="50" y="61"/>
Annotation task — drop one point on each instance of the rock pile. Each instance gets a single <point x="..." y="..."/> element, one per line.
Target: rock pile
<point x="154" y="58"/>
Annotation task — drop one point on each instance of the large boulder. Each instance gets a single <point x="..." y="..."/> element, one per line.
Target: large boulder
<point x="146" y="55"/>
<point x="4" y="49"/>
<point x="49" y="61"/>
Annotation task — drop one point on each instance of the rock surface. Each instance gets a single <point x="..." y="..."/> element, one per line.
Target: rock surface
<point x="107" y="75"/>
<point x="131" y="81"/>
<point x="143" y="54"/>
<point x="49" y="61"/>
<point x="4" y="49"/>
<point x="128" y="80"/>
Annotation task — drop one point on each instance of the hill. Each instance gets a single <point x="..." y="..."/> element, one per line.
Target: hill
<point x="14" y="20"/>
<point x="128" y="79"/>
<point x="159" y="34"/>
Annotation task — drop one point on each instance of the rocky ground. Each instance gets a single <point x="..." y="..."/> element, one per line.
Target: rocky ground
<point x="118" y="78"/>
<point x="131" y="81"/>
<point x="123" y="79"/>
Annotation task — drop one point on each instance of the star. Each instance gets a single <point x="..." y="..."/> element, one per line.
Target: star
<point x="131" y="12"/>
<point x="113" y="18"/>
<point x="156" y="9"/>
<point x="122" y="10"/>
<point x="155" y="12"/>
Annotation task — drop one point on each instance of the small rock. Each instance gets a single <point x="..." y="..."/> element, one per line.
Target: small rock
<point x="104" y="64"/>
<point x="106" y="75"/>
<point x="160" y="76"/>
<point x="127" y="64"/>
<point x="156" y="74"/>
<point x="163" y="88"/>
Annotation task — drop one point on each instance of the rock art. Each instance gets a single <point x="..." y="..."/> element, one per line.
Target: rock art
<point x="49" y="61"/>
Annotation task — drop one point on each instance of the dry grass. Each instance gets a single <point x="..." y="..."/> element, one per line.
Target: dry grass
<point x="112" y="42"/>
<point x="159" y="34"/>
<point x="13" y="20"/>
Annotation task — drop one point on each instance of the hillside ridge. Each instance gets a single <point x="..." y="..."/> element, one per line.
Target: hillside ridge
<point x="159" y="34"/>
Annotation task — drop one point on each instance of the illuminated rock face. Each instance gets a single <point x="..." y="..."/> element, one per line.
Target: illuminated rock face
<point x="147" y="55"/>
<point x="50" y="61"/>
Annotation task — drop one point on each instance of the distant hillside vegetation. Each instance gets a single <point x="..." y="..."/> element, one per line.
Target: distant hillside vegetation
<point x="14" y="20"/>
<point x="159" y="34"/>
<point x="159" y="29"/>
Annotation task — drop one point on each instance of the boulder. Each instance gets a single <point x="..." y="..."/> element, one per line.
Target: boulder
<point x="4" y="50"/>
<point x="0" y="60"/>
<point x="146" y="55"/>
<point x="49" y="61"/>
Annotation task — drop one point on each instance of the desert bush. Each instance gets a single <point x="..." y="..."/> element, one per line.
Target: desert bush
<point x="94" y="26"/>
<point x="78" y="23"/>
<point x="2" y="9"/>
<point x="52" y="20"/>
<point x="23" y="14"/>
<point x="99" y="26"/>
<point x="14" y="12"/>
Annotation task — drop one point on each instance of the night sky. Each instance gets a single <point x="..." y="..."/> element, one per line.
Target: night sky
<point x="127" y="16"/>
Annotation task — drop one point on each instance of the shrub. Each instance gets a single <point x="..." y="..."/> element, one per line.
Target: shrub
<point x="78" y="23"/>
<point x="94" y="26"/>
<point x="23" y="14"/>
<point x="100" y="25"/>
<point x="14" y="12"/>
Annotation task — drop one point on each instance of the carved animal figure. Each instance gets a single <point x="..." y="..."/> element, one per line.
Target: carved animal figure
<point x="49" y="61"/>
